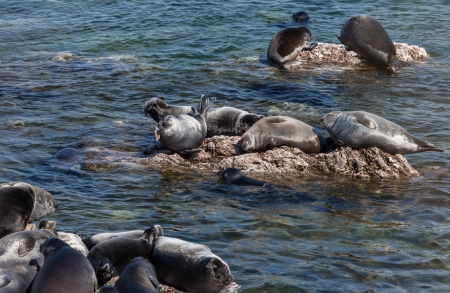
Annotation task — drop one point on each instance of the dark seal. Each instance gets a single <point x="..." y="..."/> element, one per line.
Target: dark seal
<point x="110" y="257"/>
<point x="236" y="177"/>
<point x="188" y="266"/>
<point x="139" y="276"/>
<point x="359" y="129"/>
<point x="288" y="43"/>
<point x="300" y="16"/>
<point x="368" y="38"/>
<point x="65" y="270"/>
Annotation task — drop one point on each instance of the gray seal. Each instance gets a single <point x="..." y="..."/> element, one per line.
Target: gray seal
<point x="188" y="266"/>
<point x="97" y="238"/>
<point x="184" y="133"/>
<point x="368" y="38"/>
<point x="288" y="43"/>
<point x="110" y="257"/>
<point x="44" y="203"/>
<point x="274" y="131"/>
<point x="220" y="121"/>
<point x="360" y="129"/>
<point x="16" y="278"/>
<point x="139" y="276"/>
<point x="64" y="270"/>
<point x="236" y="177"/>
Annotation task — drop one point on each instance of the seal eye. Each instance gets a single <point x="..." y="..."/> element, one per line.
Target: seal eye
<point x="164" y="124"/>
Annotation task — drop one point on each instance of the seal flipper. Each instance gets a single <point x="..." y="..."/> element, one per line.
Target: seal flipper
<point x="395" y="64"/>
<point x="220" y="272"/>
<point x="367" y="122"/>
<point x="26" y="245"/>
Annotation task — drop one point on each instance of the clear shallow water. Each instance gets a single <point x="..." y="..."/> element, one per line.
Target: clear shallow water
<point x="79" y="74"/>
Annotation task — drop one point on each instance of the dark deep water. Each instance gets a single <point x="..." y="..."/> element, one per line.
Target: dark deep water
<point x="78" y="75"/>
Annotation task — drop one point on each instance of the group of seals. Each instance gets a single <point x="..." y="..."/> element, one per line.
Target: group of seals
<point x="42" y="261"/>
<point x="219" y="121"/>
<point x="362" y="34"/>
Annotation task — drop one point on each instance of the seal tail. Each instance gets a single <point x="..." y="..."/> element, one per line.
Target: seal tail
<point x="204" y="105"/>
<point x="423" y="146"/>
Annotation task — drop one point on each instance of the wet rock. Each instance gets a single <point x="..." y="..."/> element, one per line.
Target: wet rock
<point x="336" y="54"/>
<point x="221" y="152"/>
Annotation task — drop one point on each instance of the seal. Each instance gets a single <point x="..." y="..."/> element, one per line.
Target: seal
<point x="236" y="177"/>
<point x="97" y="238"/>
<point x="110" y="257"/>
<point x="74" y="241"/>
<point x="184" y="133"/>
<point x="64" y="270"/>
<point x="273" y="131"/>
<point x="107" y="289"/>
<point x="188" y="266"/>
<point x="288" y="43"/>
<point x="360" y="129"/>
<point x="16" y="207"/>
<point x="16" y="278"/>
<point x="300" y="16"/>
<point x="219" y="121"/>
<point x="138" y="276"/>
<point x="368" y="38"/>
<point x="44" y="203"/>
<point x="22" y="247"/>
<point x="66" y="153"/>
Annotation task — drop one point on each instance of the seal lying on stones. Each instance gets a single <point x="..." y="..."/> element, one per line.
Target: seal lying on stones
<point x="236" y="177"/>
<point x="369" y="39"/>
<point x="359" y="129"/>
<point x="188" y="266"/>
<point x="138" y="276"/>
<point x="110" y="257"/>
<point x="220" y="121"/>
<point x="288" y="43"/>
<point x="273" y="131"/>
<point x="184" y="133"/>
<point x="65" y="270"/>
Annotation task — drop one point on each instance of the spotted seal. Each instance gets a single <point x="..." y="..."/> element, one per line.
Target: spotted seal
<point x="273" y="131"/>
<point x="368" y="38"/>
<point x="288" y="43"/>
<point x="360" y="129"/>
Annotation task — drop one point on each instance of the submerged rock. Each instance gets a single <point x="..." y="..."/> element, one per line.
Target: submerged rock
<point x="338" y="55"/>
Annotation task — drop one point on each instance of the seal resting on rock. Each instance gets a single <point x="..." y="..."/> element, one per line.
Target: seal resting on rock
<point x="64" y="270"/>
<point x="184" y="133"/>
<point x="360" y="129"/>
<point x="188" y="266"/>
<point x="273" y="131"/>
<point x="138" y="276"/>
<point x="288" y="43"/>
<point x="236" y="177"/>
<point x="219" y="121"/>
<point x="97" y="238"/>
<point x="110" y="257"/>
<point x="368" y="38"/>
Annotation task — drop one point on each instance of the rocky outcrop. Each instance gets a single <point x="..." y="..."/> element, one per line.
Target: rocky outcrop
<point x="336" y="54"/>
<point x="221" y="152"/>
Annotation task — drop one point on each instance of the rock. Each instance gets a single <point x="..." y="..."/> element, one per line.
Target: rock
<point x="336" y="54"/>
<point x="221" y="152"/>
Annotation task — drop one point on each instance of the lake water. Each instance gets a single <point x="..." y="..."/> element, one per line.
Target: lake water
<point x="78" y="74"/>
